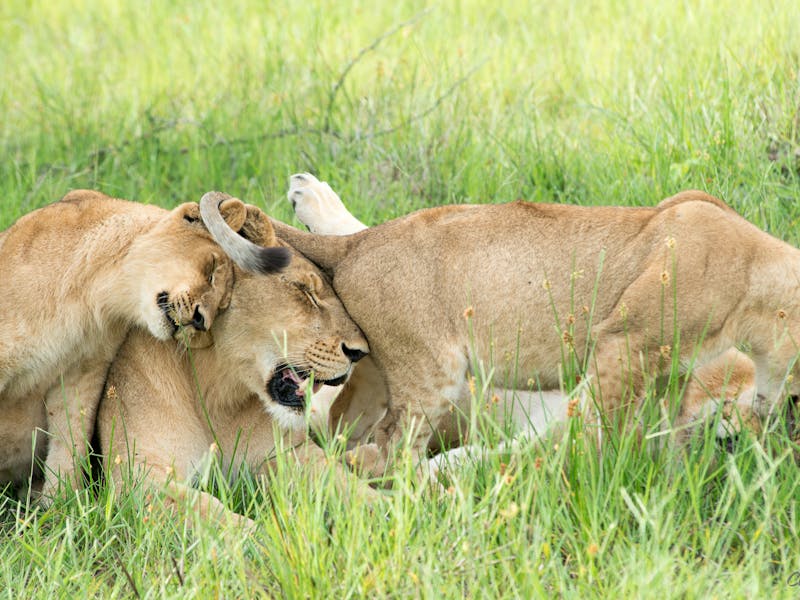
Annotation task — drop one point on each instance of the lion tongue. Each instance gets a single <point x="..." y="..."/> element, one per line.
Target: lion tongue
<point x="288" y="373"/>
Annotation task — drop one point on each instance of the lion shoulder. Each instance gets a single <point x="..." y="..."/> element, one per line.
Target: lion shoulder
<point x="693" y="196"/>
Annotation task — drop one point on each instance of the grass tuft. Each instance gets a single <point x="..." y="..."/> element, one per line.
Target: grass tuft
<point x="399" y="108"/>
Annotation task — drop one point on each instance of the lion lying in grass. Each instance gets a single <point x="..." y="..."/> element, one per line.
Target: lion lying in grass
<point x="77" y="275"/>
<point x="167" y="412"/>
<point x="624" y="292"/>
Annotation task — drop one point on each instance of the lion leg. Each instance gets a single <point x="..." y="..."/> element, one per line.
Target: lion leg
<point x="178" y="497"/>
<point x="71" y="407"/>
<point x="726" y="383"/>
<point x="319" y="208"/>
<point x="413" y="417"/>
<point x="618" y="374"/>
<point x="413" y="426"/>
<point x="361" y="404"/>
<point x="346" y="483"/>
<point x="525" y="415"/>
<point x="163" y="444"/>
<point x="207" y="507"/>
<point x="23" y="440"/>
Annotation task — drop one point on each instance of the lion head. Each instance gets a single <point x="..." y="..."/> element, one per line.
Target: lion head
<point x="180" y="278"/>
<point x="282" y="332"/>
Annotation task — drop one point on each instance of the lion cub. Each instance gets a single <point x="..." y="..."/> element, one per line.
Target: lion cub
<point x="77" y="275"/>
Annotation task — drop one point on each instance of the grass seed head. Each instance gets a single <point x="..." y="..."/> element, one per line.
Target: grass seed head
<point x="573" y="408"/>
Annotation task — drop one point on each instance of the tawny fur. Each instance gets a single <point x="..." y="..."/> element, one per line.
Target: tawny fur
<point x="619" y="281"/>
<point x="165" y="408"/>
<point x="77" y="274"/>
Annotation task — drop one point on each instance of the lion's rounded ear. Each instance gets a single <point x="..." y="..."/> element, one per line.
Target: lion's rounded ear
<point x="257" y="227"/>
<point x="232" y="210"/>
<point x="189" y="212"/>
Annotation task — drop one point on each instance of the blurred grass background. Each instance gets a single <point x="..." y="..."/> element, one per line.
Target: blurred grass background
<point x="399" y="107"/>
<point x="589" y="102"/>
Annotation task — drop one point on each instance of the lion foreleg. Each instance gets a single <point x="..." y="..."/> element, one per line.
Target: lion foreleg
<point x="71" y="407"/>
<point x="726" y="383"/>
<point x="618" y="371"/>
<point x="178" y="497"/>
<point x="314" y="459"/>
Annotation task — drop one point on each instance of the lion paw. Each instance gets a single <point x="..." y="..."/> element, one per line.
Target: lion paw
<point x="366" y="459"/>
<point x="319" y="208"/>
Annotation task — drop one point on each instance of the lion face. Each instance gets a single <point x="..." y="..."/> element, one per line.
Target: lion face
<point x="283" y="333"/>
<point x="182" y="277"/>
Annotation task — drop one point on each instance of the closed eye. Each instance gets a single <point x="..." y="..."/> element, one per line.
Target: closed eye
<point x="210" y="272"/>
<point x="308" y="293"/>
<point x="311" y="298"/>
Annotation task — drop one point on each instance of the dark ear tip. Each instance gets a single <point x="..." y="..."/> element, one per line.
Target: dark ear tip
<point x="273" y="259"/>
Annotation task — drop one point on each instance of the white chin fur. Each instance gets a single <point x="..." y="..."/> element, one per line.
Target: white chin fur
<point x="153" y="318"/>
<point x="285" y="417"/>
<point x="159" y="328"/>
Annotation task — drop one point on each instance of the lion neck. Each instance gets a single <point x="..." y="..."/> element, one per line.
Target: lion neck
<point x="112" y="286"/>
<point x="219" y="385"/>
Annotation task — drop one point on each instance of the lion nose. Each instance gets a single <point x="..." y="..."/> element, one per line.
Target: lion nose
<point x="354" y="354"/>
<point x="198" y="321"/>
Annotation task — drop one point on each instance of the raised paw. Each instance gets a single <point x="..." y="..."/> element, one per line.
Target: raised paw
<point x="319" y="208"/>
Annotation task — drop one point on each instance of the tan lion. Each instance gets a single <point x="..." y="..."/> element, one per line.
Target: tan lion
<point x="610" y="286"/>
<point x="77" y="275"/>
<point x="167" y="412"/>
<point x="724" y="385"/>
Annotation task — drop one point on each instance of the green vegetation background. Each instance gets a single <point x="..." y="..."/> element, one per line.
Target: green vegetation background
<point x="399" y="106"/>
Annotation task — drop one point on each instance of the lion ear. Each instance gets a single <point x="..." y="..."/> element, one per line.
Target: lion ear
<point x="189" y="212"/>
<point x="257" y="227"/>
<point x="232" y="210"/>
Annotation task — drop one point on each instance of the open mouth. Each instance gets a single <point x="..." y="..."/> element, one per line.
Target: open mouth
<point x="285" y="386"/>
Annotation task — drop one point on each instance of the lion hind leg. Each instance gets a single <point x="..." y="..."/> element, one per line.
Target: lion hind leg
<point x="319" y="208"/>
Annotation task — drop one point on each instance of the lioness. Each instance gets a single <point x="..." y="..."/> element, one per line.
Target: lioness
<point x="164" y="408"/>
<point x="724" y="385"/>
<point x="627" y="290"/>
<point x="77" y="275"/>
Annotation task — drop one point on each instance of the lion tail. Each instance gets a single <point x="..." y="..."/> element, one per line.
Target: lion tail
<point x="326" y="251"/>
<point x="269" y="258"/>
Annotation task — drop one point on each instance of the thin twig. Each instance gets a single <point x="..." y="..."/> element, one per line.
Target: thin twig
<point x="128" y="575"/>
<point x="353" y="61"/>
<point x="353" y="138"/>
<point x="101" y="153"/>
<point x="177" y="570"/>
<point x="432" y="107"/>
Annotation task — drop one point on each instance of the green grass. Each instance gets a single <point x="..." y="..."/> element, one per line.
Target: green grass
<point x="591" y="103"/>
